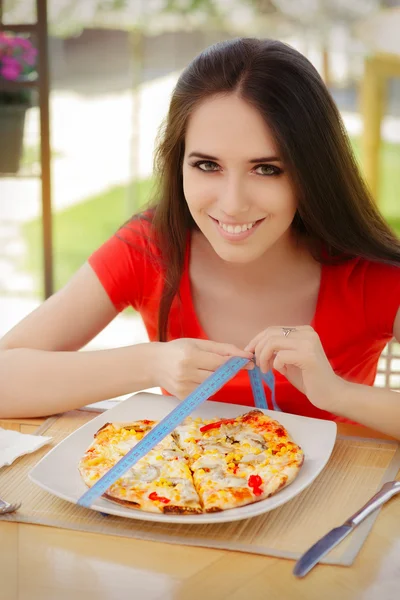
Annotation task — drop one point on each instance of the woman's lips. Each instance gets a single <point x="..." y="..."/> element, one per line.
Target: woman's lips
<point x="236" y="237"/>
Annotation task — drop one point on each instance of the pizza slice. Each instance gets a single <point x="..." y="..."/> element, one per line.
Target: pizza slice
<point x="160" y="482"/>
<point x="238" y="461"/>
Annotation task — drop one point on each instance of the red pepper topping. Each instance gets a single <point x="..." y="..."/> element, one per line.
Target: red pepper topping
<point x="280" y="432"/>
<point x="154" y="496"/>
<point x="216" y="424"/>
<point x="255" y="482"/>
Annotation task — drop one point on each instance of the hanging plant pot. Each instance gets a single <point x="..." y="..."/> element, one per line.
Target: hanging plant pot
<point x="12" y="123"/>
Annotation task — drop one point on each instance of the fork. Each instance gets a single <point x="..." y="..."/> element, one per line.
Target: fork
<point x="6" y="507"/>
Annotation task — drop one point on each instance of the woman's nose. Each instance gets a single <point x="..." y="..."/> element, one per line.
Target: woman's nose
<point x="232" y="198"/>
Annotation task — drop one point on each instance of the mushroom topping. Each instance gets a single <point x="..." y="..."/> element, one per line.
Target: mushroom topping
<point x="252" y="438"/>
<point x="208" y="447"/>
<point x="253" y="458"/>
<point x="206" y="462"/>
<point x="146" y="474"/>
<point x="170" y="454"/>
<point x="233" y="482"/>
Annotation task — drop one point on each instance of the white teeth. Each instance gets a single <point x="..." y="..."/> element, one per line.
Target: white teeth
<point x="236" y="228"/>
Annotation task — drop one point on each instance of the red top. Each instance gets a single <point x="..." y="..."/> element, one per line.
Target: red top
<point x="356" y="308"/>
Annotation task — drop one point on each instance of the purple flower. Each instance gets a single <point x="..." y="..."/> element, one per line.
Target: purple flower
<point x="23" y="43"/>
<point x="17" y="57"/>
<point x="10" y="68"/>
<point x="30" y="57"/>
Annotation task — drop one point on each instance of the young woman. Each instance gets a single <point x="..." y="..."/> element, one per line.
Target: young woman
<point x="263" y="240"/>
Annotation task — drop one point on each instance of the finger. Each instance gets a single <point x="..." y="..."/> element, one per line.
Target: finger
<point x="304" y="330"/>
<point x="265" y="359"/>
<point x="264" y="335"/>
<point x="249" y="366"/>
<point x="268" y="347"/>
<point x="296" y="331"/>
<point x="285" y="358"/>
<point x="212" y="362"/>
<point x="251" y="345"/>
<point x="223" y="349"/>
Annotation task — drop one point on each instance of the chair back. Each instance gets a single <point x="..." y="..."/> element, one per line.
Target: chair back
<point x="388" y="373"/>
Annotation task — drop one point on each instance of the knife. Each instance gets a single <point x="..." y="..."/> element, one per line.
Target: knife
<point x="336" y="535"/>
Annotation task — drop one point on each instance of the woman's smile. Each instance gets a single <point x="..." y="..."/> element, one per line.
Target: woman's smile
<point x="236" y="232"/>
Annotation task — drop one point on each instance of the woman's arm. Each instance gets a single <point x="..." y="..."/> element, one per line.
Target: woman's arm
<point x="300" y="357"/>
<point x="41" y="374"/>
<point x="378" y="408"/>
<point x="374" y="407"/>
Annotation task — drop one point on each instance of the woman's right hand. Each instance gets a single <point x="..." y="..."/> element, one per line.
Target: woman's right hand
<point x="184" y="363"/>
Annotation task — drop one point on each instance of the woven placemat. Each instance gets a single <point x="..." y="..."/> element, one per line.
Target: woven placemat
<point x="356" y="470"/>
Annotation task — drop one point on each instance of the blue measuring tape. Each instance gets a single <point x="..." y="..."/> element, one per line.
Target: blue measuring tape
<point x="210" y="386"/>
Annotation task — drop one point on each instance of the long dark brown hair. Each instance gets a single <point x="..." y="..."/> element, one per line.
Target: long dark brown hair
<point x="335" y="210"/>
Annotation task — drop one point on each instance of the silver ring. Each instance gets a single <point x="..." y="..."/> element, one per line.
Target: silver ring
<point x="287" y="330"/>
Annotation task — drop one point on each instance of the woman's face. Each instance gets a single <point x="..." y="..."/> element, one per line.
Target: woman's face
<point x="234" y="181"/>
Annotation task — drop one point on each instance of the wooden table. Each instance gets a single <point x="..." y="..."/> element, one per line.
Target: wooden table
<point x="46" y="563"/>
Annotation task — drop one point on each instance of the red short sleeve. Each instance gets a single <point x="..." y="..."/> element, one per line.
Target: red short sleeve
<point x="382" y="297"/>
<point x="122" y="263"/>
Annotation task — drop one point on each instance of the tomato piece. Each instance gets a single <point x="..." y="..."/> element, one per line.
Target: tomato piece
<point x="155" y="496"/>
<point x="255" y="482"/>
<point x="216" y="424"/>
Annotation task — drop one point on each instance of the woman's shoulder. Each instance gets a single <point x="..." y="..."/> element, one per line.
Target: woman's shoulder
<point x="135" y="242"/>
<point x="139" y="232"/>
<point x="363" y="272"/>
<point x="128" y="262"/>
<point x="367" y="291"/>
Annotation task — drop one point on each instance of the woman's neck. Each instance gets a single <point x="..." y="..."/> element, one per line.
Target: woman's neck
<point x="278" y="263"/>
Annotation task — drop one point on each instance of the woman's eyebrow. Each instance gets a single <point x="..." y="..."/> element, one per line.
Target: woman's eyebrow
<point x="252" y="160"/>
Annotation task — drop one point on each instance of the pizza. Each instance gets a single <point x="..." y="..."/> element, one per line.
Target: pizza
<point x="203" y="466"/>
<point x="161" y="481"/>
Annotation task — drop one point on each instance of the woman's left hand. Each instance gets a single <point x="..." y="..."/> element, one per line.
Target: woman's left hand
<point x="300" y="357"/>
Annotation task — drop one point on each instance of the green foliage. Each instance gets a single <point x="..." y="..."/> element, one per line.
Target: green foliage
<point x="80" y="229"/>
<point x="188" y="6"/>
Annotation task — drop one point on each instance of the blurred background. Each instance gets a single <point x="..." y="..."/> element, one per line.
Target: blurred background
<point x="84" y="86"/>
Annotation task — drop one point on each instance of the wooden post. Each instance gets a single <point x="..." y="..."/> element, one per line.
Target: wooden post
<point x="41" y="17"/>
<point x="40" y="31"/>
<point x="132" y="199"/>
<point x="326" y="72"/>
<point x="372" y="108"/>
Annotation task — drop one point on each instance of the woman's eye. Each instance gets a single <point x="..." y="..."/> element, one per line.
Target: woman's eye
<point x="267" y="170"/>
<point x="206" y="165"/>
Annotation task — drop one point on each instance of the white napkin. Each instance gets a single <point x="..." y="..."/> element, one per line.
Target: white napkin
<point x="14" y="444"/>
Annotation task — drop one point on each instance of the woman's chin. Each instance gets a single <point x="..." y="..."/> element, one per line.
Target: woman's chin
<point x="235" y="254"/>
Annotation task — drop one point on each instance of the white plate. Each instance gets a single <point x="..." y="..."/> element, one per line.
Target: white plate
<point x="58" y="473"/>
